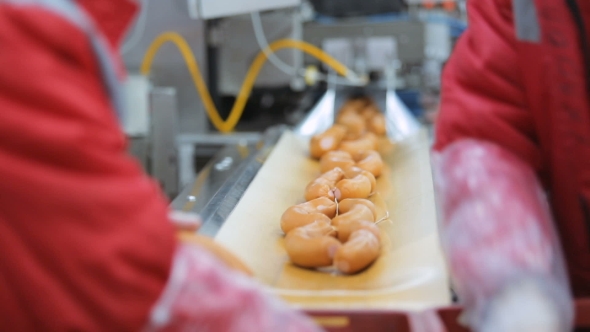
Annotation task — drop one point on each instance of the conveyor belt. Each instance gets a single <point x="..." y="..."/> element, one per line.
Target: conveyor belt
<point x="220" y="185"/>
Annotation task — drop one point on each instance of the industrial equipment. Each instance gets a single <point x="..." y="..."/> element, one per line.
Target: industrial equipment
<point x="200" y="53"/>
<point x="223" y="95"/>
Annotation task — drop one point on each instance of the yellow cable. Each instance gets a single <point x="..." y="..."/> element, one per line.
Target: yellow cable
<point x="238" y="108"/>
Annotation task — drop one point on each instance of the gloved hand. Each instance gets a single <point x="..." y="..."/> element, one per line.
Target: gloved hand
<point x="203" y="294"/>
<point x="187" y="225"/>
<point x="502" y="249"/>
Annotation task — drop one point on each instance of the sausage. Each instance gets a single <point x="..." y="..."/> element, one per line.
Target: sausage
<point x="296" y="217"/>
<point x="358" y="212"/>
<point x="333" y="175"/>
<point x="372" y="179"/>
<point x="322" y="205"/>
<point x="346" y="205"/>
<point x="358" y="187"/>
<point x="367" y="142"/>
<point x="349" y="226"/>
<point x="327" y="141"/>
<point x="312" y="245"/>
<point x="369" y="111"/>
<point x="360" y="216"/>
<point x="324" y="185"/>
<point x="373" y="138"/>
<point x="353" y="106"/>
<point x="370" y="161"/>
<point x="346" y="110"/>
<point x="355" y="124"/>
<point x="352" y="171"/>
<point x="333" y="159"/>
<point x="320" y="187"/>
<point x="377" y="124"/>
<point x="359" y="252"/>
<point x="320" y="209"/>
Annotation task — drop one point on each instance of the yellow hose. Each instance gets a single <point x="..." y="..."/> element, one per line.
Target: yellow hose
<point x="238" y="108"/>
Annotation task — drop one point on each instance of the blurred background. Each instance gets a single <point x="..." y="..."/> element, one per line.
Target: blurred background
<point x="393" y="51"/>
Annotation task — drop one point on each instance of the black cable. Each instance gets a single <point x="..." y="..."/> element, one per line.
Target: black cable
<point x="580" y="24"/>
<point x="575" y="11"/>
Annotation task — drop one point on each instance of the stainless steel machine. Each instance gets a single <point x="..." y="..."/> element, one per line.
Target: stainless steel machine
<point x="285" y="67"/>
<point x="220" y="185"/>
<point x="169" y="126"/>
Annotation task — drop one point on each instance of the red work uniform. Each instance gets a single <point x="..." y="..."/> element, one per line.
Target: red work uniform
<point x="519" y="78"/>
<point x="85" y="239"/>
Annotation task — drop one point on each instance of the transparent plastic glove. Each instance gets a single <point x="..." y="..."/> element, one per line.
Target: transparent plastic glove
<point x="500" y="242"/>
<point x="203" y="294"/>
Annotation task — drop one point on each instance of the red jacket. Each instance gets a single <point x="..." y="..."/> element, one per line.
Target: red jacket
<point x="518" y="78"/>
<point x="85" y="241"/>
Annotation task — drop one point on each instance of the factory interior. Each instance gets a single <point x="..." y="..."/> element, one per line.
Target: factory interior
<point x="216" y="87"/>
<point x="189" y="63"/>
<point x="305" y="165"/>
<point x="221" y="94"/>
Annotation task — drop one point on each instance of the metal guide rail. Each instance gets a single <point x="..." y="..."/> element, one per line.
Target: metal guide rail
<point x="220" y="185"/>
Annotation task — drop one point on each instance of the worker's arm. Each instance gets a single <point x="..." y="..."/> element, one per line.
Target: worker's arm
<point x="496" y="228"/>
<point x="85" y="235"/>
<point x="482" y="87"/>
<point x="498" y="235"/>
<point x="204" y="295"/>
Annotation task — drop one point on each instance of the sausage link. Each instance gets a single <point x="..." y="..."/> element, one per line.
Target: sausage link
<point x="361" y="250"/>
<point x="370" y="161"/>
<point x="334" y="159"/>
<point x="312" y="245"/>
<point x="358" y="187"/>
<point x="327" y="141"/>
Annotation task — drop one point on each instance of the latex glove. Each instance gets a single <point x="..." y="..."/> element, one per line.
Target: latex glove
<point x="203" y="295"/>
<point x="188" y="223"/>
<point x="524" y="306"/>
<point x="500" y="242"/>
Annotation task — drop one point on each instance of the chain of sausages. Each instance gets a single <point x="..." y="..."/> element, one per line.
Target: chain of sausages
<point x="336" y="226"/>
